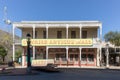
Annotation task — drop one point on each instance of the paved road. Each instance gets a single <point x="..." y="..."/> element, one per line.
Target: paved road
<point x="70" y="75"/>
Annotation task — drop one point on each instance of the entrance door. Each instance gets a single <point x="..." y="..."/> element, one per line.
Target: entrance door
<point x="83" y="59"/>
<point x="74" y="59"/>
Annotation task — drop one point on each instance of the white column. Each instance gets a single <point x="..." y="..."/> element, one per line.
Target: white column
<point x="67" y="26"/>
<point x="80" y="49"/>
<point x="47" y="38"/>
<point x="100" y="56"/>
<point x="80" y="31"/>
<point x="67" y="53"/>
<point x="33" y="31"/>
<point x="23" y="58"/>
<point x="97" y="57"/>
<point x="33" y="38"/>
<point x="47" y="52"/>
<point x="13" y="43"/>
<point x="13" y="51"/>
<point x="33" y="52"/>
<point x="101" y="32"/>
<point x="107" y="58"/>
<point x="67" y="31"/>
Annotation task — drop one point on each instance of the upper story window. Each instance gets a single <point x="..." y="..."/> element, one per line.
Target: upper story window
<point x="59" y="34"/>
<point x="73" y="34"/>
<point x="84" y="34"/>
<point x="44" y="34"/>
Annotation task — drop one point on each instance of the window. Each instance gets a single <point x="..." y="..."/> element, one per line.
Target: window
<point x="71" y="57"/>
<point x="57" y="56"/>
<point x="44" y="34"/>
<point x="84" y="34"/>
<point x="59" y="34"/>
<point x="73" y="34"/>
<point x="83" y="57"/>
<point x="61" y="56"/>
<point x="90" y="57"/>
<point x="76" y="57"/>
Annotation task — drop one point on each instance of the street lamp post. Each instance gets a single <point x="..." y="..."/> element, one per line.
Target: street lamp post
<point x="28" y="54"/>
<point x="107" y="55"/>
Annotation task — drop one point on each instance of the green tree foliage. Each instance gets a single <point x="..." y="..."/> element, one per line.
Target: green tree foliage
<point x="3" y="53"/>
<point x="6" y="41"/>
<point x="113" y="37"/>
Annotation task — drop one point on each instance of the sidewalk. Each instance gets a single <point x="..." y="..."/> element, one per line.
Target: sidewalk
<point x="85" y="67"/>
<point x="114" y="67"/>
<point x="91" y="67"/>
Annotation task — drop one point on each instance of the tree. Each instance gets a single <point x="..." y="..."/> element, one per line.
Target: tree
<point x="6" y="42"/>
<point x="113" y="37"/>
<point x="3" y="53"/>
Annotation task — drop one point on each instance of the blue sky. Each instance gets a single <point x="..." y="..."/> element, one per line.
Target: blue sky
<point x="106" y="11"/>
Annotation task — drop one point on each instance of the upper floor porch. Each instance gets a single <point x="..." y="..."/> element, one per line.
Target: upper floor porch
<point x="59" y="29"/>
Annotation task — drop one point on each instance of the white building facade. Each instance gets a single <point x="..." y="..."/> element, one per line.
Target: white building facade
<point x="67" y="43"/>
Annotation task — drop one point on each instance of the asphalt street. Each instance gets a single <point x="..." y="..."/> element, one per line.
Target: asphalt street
<point x="70" y="75"/>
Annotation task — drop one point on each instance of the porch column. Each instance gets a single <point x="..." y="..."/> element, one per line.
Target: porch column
<point x="34" y="38"/>
<point x="13" y="43"/>
<point x="98" y="57"/>
<point x="47" y="52"/>
<point x="67" y="26"/>
<point x="80" y="31"/>
<point x="67" y="54"/>
<point x="47" y="38"/>
<point x="107" y="57"/>
<point x="80" y="49"/>
<point x="101" y="32"/>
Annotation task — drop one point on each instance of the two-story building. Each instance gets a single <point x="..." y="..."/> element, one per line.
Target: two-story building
<point x="68" y="43"/>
